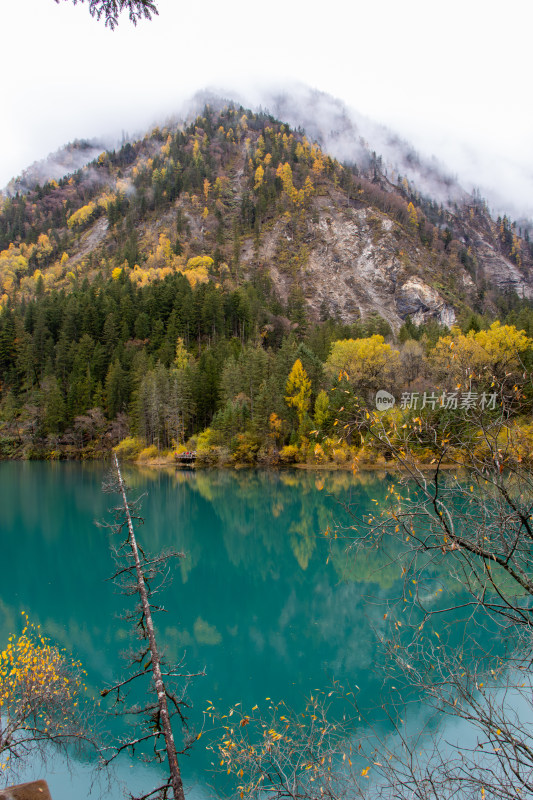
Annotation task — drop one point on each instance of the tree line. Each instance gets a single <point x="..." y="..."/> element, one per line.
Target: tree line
<point x="232" y="372"/>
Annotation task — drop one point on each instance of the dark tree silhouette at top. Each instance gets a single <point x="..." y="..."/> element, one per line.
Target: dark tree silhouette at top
<point x="111" y="9"/>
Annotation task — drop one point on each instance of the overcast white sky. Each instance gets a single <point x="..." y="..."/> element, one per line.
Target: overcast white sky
<point x="453" y="77"/>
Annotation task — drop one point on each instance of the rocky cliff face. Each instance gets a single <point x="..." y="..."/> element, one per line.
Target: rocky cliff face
<point x="499" y="271"/>
<point x="359" y="261"/>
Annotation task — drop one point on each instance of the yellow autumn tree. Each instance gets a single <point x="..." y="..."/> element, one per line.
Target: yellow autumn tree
<point x="182" y="358"/>
<point x="413" y="216"/>
<point x="162" y="255"/>
<point x="308" y="189"/>
<point x="275" y="427"/>
<point x="221" y="188"/>
<point x="197" y="269"/>
<point x="260" y="147"/>
<point x="200" y="262"/>
<point x="493" y="354"/>
<point x="207" y="188"/>
<point x="12" y="265"/>
<point x="44" y="249"/>
<point x="298" y="390"/>
<point x="165" y="150"/>
<point x="318" y="164"/>
<point x="40" y="694"/>
<point x="82" y="215"/>
<point x="516" y="250"/>
<point x="297" y="196"/>
<point x="259" y="175"/>
<point x="369" y="363"/>
<point x="284" y="172"/>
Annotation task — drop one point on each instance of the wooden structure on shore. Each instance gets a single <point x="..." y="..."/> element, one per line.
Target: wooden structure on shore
<point x="186" y="459"/>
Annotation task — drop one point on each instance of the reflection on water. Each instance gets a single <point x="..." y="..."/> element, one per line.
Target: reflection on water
<point x="256" y="601"/>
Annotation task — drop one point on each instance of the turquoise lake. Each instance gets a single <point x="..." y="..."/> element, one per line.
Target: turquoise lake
<point x="263" y="601"/>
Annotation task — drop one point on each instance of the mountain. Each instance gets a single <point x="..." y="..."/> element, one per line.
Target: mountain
<point x="366" y="235"/>
<point x="211" y="283"/>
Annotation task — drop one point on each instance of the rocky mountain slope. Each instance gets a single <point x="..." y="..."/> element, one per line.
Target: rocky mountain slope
<point x="237" y="195"/>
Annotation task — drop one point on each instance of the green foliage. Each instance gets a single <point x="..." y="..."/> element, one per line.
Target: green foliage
<point x="321" y="410"/>
<point x="409" y="330"/>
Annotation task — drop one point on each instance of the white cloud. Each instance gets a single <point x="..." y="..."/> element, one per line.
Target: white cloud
<point x="448" y="76"/>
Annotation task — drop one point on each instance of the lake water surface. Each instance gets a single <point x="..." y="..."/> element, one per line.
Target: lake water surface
<point x="256" y="601"/>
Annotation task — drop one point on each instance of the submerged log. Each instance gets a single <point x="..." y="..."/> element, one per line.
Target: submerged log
<point x="36" y="790"/>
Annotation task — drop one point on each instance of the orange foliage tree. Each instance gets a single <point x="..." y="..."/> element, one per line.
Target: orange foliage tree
<point x="40" y="697"/>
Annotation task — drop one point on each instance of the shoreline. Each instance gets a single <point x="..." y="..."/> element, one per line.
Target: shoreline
<point x="329" y="467"/>
<point x="170" y="463"/>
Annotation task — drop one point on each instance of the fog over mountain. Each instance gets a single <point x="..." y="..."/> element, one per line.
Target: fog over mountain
<point x="63" y="161"/>
<point x="349" y="136"/>
<point x="445" y="170"/>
